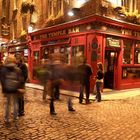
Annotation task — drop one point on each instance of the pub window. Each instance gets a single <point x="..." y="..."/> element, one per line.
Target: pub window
<point x="77" y="54"/>
<point x="45" y="53"/>
<point x="68" y="54"/>
<point x="127" y="51"/>
<point x="137" y="53"/>
<point x="130" y="72"/>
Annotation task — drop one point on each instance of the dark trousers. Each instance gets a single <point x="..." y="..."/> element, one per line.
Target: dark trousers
<point x="21" y="104"/>
<point x="56" y="91"/>
<point x="52" y="108"/>
<point x="98" y="89"/>
<point x="85" y="86"/>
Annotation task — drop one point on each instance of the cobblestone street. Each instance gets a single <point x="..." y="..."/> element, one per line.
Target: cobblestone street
<point x="107" y="120"/>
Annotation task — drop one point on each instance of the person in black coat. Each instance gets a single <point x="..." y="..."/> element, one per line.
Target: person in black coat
<point x="85" y="71"/>
<point x="24" y="70"/>
<point x="11" y="81"/>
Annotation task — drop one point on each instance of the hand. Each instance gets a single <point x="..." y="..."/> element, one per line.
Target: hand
<point x="21" y="90"/>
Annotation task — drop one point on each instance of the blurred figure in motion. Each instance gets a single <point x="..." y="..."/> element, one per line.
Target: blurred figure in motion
<point x="85" y="71"/>
<point x="53" y="74"/>
<point x="24" y="70"/>
<point x="11" y="79"/>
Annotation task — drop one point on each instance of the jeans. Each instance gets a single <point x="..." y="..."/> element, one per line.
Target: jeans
<point x="98" y="89"/>
<point x="9" y="98"/>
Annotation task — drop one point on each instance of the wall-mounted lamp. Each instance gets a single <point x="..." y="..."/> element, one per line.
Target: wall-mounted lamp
<point x="70" y="13"/>
<point x="30" y="28"/>
<point x="73" y="11"/>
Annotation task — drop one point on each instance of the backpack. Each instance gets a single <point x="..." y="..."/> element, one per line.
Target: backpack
<point x="11" y="82"/>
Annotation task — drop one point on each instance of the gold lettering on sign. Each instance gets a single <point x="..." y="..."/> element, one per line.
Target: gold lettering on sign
<point x="43" y="36"/>
<point x="58" y="33"/>
<point x="73" y="30"/>
<point x="130" y="32"/>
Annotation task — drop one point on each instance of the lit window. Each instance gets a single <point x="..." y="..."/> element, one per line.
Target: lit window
<point x="116" y="3"/>
<point x="15" y="4"/>
<point x="137" y="53"/>
<point x="127" y="51"/>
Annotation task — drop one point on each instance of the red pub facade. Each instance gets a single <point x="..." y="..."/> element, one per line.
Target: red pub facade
<point x="115" y="43"/>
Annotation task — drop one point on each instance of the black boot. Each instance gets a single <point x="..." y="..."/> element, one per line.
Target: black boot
<point x="52" y="110"/>
<point x="70" y="105"/>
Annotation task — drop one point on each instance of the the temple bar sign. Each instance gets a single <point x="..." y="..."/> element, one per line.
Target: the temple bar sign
<point x="63" y="32"/>
<point x="113" y="42"/>
<point x="59" y="33"/>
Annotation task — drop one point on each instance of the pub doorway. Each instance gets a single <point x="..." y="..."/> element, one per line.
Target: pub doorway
<point x="109" y="69"/>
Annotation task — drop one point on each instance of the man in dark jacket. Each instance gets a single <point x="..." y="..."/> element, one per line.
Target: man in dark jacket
<point x="85" y="71"/>
<point x="24" y="70"/>
<point x="11" y="79"/>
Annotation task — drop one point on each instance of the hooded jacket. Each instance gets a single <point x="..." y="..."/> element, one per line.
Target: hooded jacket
<point x="4" y="72"/>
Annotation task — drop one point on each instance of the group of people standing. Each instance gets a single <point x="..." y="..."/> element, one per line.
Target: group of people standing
<point x="86" y="73"/>
<point x="13" y="75"/>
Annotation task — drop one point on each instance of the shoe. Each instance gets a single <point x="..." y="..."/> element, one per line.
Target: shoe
<point x="80" y="101"/>
<point x="53" y="113"/>
<point x="71" y="109"/>
<point x="97" y="101"/>
<point x="7" y="123"/>
<point x="87" y="102"/>
<point x="21" y="114"/>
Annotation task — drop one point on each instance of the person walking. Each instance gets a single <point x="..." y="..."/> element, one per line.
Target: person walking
<point x="85" y="71"/>
<point x="11" y="79"/>
<point x="24" y="71"/>
<point x="99" y="81"/>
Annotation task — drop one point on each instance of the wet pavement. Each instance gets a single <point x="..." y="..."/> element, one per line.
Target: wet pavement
<point x="117" y="117"/>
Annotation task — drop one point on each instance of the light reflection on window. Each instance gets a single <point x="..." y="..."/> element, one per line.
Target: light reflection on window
<point x="137" y="53"/>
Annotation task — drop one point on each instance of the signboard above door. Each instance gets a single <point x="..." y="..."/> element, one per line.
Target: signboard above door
<point x="112" y="42"/>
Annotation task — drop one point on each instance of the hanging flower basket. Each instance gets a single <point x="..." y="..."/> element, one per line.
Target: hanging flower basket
<point x="27" y="7"/>
<point x="131" y="19"/>
<point x="32" y="8"/>
<point x="138" y="20"/>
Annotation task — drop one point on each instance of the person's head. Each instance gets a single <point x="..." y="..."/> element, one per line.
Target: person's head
<point x="10" y="59"/>
<point x="19" y="61"/>
<point x="100" y="65"/>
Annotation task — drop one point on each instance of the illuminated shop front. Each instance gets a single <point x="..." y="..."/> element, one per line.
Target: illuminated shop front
<point x="20" y="49"/>
<point x="116" y="44"/>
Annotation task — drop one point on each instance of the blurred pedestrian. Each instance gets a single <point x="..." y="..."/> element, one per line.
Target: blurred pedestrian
<point x="11" y="79"/>
<point x="24" y="70"/>
<point x="99" y="81"/>
<point x="85" y="71"/>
